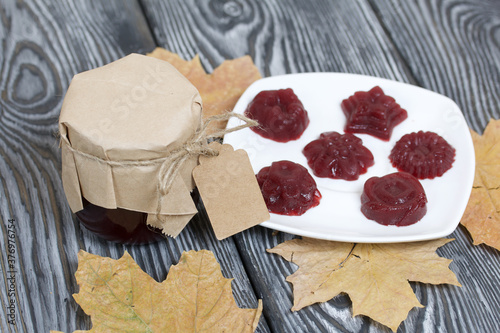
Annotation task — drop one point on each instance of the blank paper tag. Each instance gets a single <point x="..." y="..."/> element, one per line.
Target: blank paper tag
<point x="229" y="190"/>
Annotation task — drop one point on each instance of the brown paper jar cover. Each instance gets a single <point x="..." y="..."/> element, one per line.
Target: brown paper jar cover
<point x="137" y="108"/>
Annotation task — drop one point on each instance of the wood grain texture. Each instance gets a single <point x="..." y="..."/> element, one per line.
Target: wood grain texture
<point x="451" y="47"/>
<point x="281" y="38"/>
<point x="44" y="43"/>
<point x="430" y="45"/>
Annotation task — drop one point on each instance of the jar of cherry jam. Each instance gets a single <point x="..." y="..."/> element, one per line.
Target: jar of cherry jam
<point x="120" y="125"/>
<point x="118" y="225"/>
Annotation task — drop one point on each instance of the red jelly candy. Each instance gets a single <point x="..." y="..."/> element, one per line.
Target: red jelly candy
<point x="280" y="113"/>
<point x="338" y="156"/>
<point x="288" y="188"/>
<point x="395" y="199"/>
<point x="372" y="112"/>
<point x="423" y="154"/>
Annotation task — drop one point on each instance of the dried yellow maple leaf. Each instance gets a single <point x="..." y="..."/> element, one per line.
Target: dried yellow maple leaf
<point x="220" y="90"/>
<point x="375" y="276"/>
<point x="195" y="297"/>
<point x="482" y="215"/>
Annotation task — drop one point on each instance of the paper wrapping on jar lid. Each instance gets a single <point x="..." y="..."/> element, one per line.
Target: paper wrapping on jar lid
<point x="137" y="108"/>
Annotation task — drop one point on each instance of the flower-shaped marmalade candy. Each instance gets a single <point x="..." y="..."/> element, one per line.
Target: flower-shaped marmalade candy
<point x="338" y="156"/>
<point x="288" y="188"/>
<point x="280" y="113"/>
<point x="423" y="154"/>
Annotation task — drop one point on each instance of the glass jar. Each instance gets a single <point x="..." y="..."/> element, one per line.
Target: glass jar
<point x="119" y="125"/>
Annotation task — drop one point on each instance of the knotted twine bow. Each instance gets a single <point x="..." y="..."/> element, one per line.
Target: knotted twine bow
<point x="170" y="165"/>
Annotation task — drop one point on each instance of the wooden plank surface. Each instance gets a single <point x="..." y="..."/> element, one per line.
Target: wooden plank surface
<point x="447" y="46"/>
<point x="450" y="47"/>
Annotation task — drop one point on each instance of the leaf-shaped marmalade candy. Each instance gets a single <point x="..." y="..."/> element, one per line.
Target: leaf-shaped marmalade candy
<point x="482" y="215"/>
<point x="374" y="275"/>
<point x="120" y="297"/>
<point x="219" y="90"/>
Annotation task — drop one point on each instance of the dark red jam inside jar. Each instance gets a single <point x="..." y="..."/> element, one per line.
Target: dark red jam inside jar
<point x="280" y="113"/>
<point x="288" y="188"/>
<point x="117" y="225"/>
<point x="394" y="199"/>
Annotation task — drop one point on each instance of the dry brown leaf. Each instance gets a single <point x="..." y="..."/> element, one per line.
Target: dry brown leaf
<point x="220" y="90"/>
<point x="374" y="275"/>
<point x="195" y="297"/>
<point x="482" y="215"/>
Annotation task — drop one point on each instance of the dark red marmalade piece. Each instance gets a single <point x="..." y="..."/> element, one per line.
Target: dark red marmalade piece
<point x="288" y="188"/>
<point x="280" y="113"/>
<point x="423" y="154"/>
<point x="338" y="156"/>
<point x="372" y="112"/>
<point x="394" y="199"/>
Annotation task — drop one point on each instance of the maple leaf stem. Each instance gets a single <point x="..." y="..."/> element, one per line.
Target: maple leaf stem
<point x="197" y="292"/>
<point x="348" y="255"/>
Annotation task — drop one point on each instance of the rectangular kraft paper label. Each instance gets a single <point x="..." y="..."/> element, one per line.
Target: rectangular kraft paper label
<point x="229" y="190"/>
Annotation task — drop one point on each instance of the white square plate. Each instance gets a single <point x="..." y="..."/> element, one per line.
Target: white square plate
<point x="338" y="216"/>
